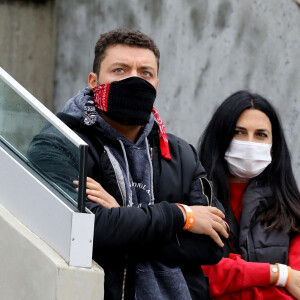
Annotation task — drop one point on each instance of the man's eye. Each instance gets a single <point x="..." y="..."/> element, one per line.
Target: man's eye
<point x="146" y="73"/>
<point x="119" y="70"/>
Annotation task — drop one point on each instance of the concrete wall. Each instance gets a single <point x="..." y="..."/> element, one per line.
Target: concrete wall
<point x="31" y="270"/>
<point x="209" y="49"/>
<point x="28" y="45"/>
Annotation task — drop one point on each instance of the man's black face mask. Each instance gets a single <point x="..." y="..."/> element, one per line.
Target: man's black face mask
<point x="128" y="101"/>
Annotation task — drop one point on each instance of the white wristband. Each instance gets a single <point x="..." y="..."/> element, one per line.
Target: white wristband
<point x="283" y="275"/>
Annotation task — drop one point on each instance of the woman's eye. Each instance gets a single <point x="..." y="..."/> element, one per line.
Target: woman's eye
<point x="263" y="135"/>
<point x="237" y="132"/>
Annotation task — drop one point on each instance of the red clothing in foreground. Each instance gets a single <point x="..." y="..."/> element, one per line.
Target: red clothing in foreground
<point x="235" y="278"/>
<point x="238" y="279"/>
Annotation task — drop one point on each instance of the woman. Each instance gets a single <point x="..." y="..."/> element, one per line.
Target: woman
<point x="245" y="154"/>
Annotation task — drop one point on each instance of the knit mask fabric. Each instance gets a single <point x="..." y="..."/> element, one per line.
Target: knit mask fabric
<point x="130" y="102"/>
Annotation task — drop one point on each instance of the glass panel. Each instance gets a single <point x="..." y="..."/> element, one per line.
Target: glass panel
<point x="40" y="144"/>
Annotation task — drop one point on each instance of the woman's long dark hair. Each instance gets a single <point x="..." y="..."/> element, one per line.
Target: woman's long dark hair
<point x="285" y="213"/>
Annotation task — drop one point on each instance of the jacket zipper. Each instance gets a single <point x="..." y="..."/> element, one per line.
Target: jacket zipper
<point x="209" y="201"/>
<point x="124" y="278"/>
<point x="151" y="154"/>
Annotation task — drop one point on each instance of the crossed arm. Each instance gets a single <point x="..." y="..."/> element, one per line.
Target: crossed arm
<point x="208" y="220"/>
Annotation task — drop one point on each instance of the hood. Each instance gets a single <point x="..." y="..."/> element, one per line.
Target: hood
<point x="75" y="105"/>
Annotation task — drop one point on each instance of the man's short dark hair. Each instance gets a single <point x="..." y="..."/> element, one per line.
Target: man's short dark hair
<point x="128" y="37"/>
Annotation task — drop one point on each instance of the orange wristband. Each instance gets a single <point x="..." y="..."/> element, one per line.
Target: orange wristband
<point x="190" y="220"/>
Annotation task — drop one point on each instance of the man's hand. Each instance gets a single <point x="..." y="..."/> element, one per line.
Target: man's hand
<point x="209" y="221"/>
<point x="96" y="193"/>
<point x="293" y="286"/>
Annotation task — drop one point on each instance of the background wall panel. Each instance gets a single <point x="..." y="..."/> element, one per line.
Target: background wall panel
<point x="28" y="45"/>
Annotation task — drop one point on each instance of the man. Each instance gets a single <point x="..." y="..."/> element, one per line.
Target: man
<point x="149" y="246"/>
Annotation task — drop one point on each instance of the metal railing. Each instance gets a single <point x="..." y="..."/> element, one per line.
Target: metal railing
<point x="27" y="127"/>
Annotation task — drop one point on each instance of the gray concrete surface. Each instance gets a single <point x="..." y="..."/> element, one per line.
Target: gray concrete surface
<point x="31" y="270"/>
<point x="28" y="45"/>
<point x="209" y="49"/>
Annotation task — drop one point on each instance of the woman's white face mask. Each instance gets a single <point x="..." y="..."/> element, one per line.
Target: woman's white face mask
<point x="247" y="159"/>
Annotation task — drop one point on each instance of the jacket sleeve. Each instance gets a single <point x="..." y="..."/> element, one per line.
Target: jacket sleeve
<point x="56" y="159"/>
<point x="239" y="276"/>
<point x="232" y="275"/>
<point x="135" y="226"/>
<point x="294" y="253"/>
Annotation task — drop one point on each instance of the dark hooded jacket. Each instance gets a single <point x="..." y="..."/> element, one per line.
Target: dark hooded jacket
<point x="128" y="235"/>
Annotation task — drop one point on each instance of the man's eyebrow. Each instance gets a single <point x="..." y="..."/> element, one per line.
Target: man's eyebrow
<point x="147" y="67"/>
<point x="124" y="65"/>
<point x="119" y="64"/>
